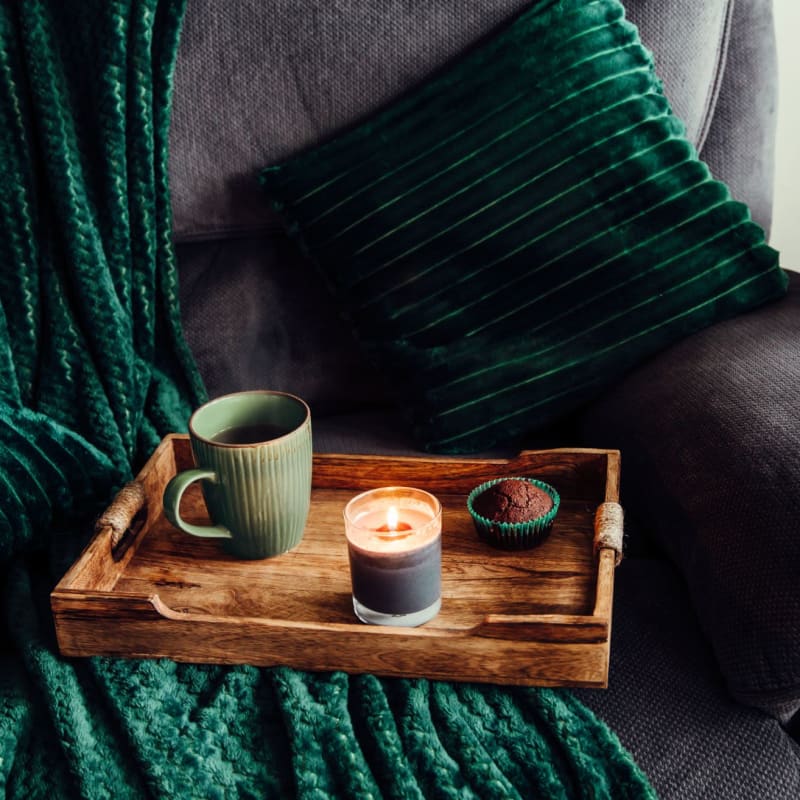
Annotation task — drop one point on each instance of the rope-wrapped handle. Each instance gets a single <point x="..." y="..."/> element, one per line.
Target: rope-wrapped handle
<point x="124" y="518"/>
<point x="608" y="528"/>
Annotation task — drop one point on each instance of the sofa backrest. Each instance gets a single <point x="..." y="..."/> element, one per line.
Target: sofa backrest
<point x="256" y="81"/>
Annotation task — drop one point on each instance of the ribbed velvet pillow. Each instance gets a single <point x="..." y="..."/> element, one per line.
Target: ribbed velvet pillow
<point x="524" y="228"/>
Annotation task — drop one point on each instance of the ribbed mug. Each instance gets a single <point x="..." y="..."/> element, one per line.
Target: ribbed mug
<point x="253" y="454"/>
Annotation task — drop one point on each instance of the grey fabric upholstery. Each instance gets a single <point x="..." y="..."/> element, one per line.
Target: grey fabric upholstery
<point x="256" y="314"/>
<point x="287" y="75"/>
<point x="710" y="436"/>
<point x="383" y="431"/>
<point x="668" y="708"/>
<point x="222" y="65"/>
<point x="740" y="145"/>
<point x="690" y="47"/>
<point x="257" y="82"/>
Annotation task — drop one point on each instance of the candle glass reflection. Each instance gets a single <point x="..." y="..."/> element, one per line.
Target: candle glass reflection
<point x="394" y="541"/>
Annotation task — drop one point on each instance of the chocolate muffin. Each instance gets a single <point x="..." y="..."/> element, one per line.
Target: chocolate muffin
<point x="513" y="513"/>
<point x="513" y="500"/>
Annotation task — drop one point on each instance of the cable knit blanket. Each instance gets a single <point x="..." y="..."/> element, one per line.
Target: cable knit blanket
<point x="93" y="371"/>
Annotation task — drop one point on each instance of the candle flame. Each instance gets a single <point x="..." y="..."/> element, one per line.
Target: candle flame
<point x="392" y="518"/>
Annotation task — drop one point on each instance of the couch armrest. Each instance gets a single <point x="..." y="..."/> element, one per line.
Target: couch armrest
<point x="710" y="438"/>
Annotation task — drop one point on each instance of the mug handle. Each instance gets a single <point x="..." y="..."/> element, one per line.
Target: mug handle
<point x="172" y="503"/>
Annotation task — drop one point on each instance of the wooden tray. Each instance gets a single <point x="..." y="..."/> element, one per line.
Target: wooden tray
<point x="535" y="617"/>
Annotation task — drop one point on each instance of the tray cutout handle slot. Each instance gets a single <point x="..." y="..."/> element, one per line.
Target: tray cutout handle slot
<point x="560" y="628"/>
<point x="124" y="518"/>
<point x="608" y="529"/>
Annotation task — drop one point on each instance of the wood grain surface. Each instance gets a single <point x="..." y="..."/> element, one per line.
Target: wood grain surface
<point x="535" y="617"/>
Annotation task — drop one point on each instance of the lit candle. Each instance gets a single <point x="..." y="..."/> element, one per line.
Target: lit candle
<point x="393" y="523"/>
<point x="395" y="547"/>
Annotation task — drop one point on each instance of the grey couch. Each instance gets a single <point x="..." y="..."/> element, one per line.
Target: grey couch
<point x="709" y="431"/>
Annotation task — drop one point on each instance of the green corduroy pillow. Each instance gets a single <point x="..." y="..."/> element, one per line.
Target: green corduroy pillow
<point x="524" y="228"/>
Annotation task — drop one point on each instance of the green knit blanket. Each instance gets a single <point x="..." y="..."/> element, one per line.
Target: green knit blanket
<point x="93" y="371"/>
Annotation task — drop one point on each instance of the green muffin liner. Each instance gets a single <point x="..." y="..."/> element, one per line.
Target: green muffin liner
<point x="514" y="535"/>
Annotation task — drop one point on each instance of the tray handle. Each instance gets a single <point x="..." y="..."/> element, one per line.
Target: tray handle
<point x="124" y="518"/>
<point x="608" y="529"/>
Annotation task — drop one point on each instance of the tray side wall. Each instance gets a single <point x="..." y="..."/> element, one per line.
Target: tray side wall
<point x="131" y="627"/>
<point x="91" y="619"/>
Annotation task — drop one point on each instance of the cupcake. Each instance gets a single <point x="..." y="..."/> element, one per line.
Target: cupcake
<point x="513" y="513"/>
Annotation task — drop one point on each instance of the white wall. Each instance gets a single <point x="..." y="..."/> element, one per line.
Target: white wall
<point x="786" y="219"/>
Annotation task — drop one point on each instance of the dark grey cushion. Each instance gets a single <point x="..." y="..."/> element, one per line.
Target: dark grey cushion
<point x="710" y="439"/>
<point x="256" y="315"/>
<point x="668" y="706"/>
<point x="256" y="82"/>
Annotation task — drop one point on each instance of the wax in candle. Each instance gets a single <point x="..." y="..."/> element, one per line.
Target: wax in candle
<point x="396" y="572"/>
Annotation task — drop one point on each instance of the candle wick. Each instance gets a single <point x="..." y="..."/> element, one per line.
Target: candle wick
<point x="400" y="527"/>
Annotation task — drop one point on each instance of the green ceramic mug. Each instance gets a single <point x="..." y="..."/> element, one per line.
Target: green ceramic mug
<point x="253" y="454"/>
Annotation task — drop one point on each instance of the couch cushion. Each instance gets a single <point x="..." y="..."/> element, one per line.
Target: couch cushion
<point x="711" y="442"/>
<point x="524" y="228"/>
<point x="668" y="706"/>
<point x="255" y="82"/>
<point x="256" y="315"/>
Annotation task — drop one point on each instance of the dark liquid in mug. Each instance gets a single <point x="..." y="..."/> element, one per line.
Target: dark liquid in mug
<point x="249" y="434"/>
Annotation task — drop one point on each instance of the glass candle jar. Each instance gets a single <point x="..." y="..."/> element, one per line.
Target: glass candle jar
<point x="394" y="541"/>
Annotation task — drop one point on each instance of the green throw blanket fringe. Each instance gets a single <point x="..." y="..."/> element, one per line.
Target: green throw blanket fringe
<point x="93" y="371"/>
